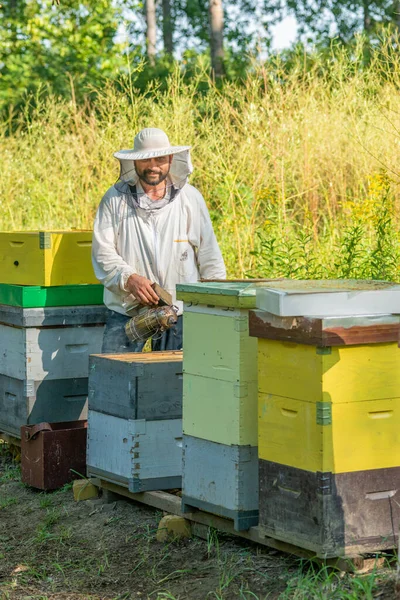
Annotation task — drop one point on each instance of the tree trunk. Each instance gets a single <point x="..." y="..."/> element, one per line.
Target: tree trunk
<point x="397" y="15"/>
<point x="217" y="37"/>
<point x="366" y="16"/>
<point x="167" y="27"/>
<point x="151" y="30"/>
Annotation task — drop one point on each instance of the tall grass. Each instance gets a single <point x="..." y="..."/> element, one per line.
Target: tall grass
<point x="299" y="165"/>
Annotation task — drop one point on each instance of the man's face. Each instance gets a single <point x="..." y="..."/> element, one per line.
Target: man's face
<point x="153" y="170"/>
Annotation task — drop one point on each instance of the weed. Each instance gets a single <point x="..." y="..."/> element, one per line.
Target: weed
<point x="102" y="564"/>
<point x="5" y="502"/>
<point x="45" y="501"/>
<point x="12" y="472"/>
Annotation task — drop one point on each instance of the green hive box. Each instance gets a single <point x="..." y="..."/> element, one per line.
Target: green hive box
<point x="225" y="294"/>
<point x="220" y="363"/>
<point x="34" y="296"/>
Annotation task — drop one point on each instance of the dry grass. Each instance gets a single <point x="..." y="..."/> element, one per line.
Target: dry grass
<point x="289" y="150"/>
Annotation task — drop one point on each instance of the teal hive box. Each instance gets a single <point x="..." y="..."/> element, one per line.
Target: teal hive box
<point x="35" y="296"/>
<point x="221" y="479"/>
<point x="139" y="454"/>
<point x="220" y="363"/>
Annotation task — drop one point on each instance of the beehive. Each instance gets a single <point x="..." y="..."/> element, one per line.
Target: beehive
<point x="44" y="363"/>
<point x="46" y="258"/>
<point x="221" y="479"/>
<point x="138" y="454"/>
<point x="38" y="353"/>
<point x="329" y="417"/>
<point x="26" y="402"/>
<point x="34" y="296"/>
<point x="220" y="400"/>
<point x="137" y="385"/>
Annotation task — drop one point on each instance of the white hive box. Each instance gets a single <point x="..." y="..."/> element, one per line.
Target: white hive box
<point x="323" y="298"/>
<point x="49" y="343"/>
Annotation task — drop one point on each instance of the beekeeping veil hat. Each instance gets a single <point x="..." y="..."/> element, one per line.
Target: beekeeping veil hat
<point x="151" y="143"/>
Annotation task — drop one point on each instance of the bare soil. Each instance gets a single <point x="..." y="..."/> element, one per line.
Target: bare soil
<point x="52" y="547"/>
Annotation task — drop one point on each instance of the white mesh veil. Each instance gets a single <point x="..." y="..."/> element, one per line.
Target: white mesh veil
<point x="180" y="169"/>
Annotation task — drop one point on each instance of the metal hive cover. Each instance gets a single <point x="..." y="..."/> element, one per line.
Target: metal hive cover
<point x="323" y="298"/>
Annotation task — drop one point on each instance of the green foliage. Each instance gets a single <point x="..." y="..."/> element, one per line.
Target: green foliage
<point x="45" y="47"/>
<point x="364" y="247"/>
<point x="298" y="162"/>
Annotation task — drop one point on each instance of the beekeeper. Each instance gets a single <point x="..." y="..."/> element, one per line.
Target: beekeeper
<point x="151" y="226"/>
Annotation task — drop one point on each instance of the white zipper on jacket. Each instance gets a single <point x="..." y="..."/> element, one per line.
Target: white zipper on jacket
<point x="155" y="241"/>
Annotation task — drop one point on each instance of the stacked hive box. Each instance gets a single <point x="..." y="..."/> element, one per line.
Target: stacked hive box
<point x="220" y="402"/>
<point x="135" y="420"/>
<point x="329" y="416"/>
<point x="49" y="324"/>
<point x="44" y="258"/>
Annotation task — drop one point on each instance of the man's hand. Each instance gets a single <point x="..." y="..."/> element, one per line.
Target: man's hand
<point x="140" y="288"/>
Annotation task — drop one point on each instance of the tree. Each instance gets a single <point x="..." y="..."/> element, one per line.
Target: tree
<point x="325" y="19"/>
<point x="217" y="37"/>
<point x="167" y="27"/>
<point x="151" y="30"/>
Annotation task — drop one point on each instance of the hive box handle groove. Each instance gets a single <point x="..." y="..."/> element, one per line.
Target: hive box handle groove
<point x="380" y="495"/>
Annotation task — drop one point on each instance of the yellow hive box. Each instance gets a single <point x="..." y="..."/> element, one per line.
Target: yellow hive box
<point x="325" y="437"/>
<point x="334" y="374"/>
<point x="46" y="258"/>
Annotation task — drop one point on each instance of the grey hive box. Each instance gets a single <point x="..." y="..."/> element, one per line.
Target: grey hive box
<point x="221" y="479"/>
<point x="325" y="298"/>
<point x="30" y="402"/>
<point x="61" y="316"/>
<point x="137" y="385"/>
<point x="138" y="454"/>
<point x="49" y="343"/>
<point x="44" y="363"/>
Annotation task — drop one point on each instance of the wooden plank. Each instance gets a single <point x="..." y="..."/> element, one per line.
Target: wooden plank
<point x="143" y="357"/>
<point x="325" y="332"/>
<point x="10" y="439"/>
<point x="202" y="521"/>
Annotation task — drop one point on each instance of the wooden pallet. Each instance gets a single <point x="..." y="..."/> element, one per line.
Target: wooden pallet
<point x="201" y="522"/>
<point x="10" y="439"/>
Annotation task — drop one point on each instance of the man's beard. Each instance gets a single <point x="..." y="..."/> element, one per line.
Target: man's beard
<point x="153" y="182"/>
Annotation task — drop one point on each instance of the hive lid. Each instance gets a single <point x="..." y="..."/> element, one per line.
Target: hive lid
<point x="228" y="293"/>
<point x="34" y="296"/>
<point x="335" y="297"/>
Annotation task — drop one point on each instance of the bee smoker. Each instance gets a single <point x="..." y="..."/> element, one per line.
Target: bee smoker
<point x="152" y="321"/>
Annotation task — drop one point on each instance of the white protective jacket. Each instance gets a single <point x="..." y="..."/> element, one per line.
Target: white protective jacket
<point x="169" y="245"/>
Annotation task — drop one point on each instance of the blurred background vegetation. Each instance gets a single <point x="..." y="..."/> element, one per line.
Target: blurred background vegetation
<point x="296" y="153"/>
